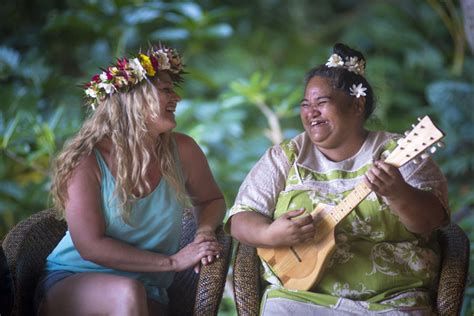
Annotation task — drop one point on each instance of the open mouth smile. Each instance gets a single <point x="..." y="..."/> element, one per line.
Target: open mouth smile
<point x="317" y="123"/>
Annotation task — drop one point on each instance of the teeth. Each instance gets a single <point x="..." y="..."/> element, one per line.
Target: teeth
<point x="170" y="109"/>
<point x="317" y="123"/>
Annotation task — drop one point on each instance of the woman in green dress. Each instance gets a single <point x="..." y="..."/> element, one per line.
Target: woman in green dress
<point x="386" y="257"/>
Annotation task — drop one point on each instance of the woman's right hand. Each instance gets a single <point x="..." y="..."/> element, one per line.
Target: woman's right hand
<point x="287" y="230"/>
<point x="191" y="254"/>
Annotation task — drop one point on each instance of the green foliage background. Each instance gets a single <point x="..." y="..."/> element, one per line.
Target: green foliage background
<point x="246" y="61"/>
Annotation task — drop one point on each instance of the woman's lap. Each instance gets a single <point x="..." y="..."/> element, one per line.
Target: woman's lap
<point x="98" y="290"/>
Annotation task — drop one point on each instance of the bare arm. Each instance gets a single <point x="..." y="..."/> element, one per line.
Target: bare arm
<point x="257" y="230"/>
<point x="86" y="225"/>
<point x="420" y="211"/>
<point x="207" y="198"/>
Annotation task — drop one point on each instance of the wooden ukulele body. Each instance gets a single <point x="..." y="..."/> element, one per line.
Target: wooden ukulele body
<point x="302" y="266"/>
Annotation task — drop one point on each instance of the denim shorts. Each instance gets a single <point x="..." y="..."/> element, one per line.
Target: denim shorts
<point x="45" y="283"/>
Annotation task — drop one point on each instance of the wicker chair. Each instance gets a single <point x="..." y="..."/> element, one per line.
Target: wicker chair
<point x="27" y="245"/>
<point x="6" y="287"/>
<point x="248" y="287"/>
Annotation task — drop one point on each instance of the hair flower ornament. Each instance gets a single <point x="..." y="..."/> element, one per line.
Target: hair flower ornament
<point x="128" y="73"/>
<point x="358" y="90"/>
<point x="335" y="61"/>
<point x="355" y="65"/>
<point x="352" y="64"/>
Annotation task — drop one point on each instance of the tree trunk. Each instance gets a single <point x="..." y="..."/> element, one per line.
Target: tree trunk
<point x="468" y="12"/>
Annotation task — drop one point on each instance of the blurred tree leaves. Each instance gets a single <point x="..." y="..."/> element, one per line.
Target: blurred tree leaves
<point x="454" y="100"/>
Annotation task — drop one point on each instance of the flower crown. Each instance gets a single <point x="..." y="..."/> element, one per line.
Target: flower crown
<point x="353" y="64"/>
<point x="127" y="73"/>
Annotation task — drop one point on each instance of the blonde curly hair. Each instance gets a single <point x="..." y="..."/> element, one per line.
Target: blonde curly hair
<point x="121" y="118"/>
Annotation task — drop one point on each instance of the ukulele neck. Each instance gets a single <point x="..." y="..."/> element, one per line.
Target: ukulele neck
<point x="357" y="195"/>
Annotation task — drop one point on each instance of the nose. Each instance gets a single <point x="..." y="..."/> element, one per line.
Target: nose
<point x="176" y="97"/>
<point x="313" y="110"/>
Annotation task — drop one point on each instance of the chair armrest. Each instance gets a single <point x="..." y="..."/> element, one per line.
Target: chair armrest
<point x="212" y="279"/>
<point x="6" y="286"/>
<point x="247" y="285"/>
<point x="453" y="272"/>
<point x="199" y="294"/>
<point x="26" y="247"/>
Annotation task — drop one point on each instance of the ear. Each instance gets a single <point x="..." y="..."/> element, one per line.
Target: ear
<point x="359" y="105"/>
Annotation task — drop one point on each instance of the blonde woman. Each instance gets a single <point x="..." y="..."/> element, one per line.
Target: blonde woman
<point x="121" y="184"/>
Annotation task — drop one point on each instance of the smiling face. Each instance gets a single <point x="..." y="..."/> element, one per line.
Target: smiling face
<point x="332" y="119"/>
<point x="168" y="99"/>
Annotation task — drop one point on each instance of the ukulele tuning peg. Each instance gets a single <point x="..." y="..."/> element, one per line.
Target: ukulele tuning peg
<point x="399" y="141"/>
<point x="416" y="160"/>
<point x="419" y="119"/>
<point x="406" y="133"/>
<point x="433" y="149"/>
<point x="413" y="125"/>
<point x="440" y="144"/>
<point x="424" y="155"/>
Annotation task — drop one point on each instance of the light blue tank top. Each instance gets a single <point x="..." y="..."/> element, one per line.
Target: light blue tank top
<point x="156" y="226"/>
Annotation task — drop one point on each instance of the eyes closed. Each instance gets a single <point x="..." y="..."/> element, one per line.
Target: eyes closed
<point x="319" y="101"/>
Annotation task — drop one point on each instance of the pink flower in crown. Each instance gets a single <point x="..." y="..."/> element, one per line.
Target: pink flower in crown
<point x="155" y="63"/>
<point x="96" y="78"/>
<point x="122" y="64"/>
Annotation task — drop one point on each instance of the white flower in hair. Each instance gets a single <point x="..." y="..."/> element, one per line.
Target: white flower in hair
<point x="91" y="92"/>
<point x="358" y="90"/>
<point x="137" y="68"/>
<point x="103" y="76"/>
<point x="163" y="60"/>
<point x="335" y="61"/>
<point x="360" y="68"/>
<point x="108" y="87"/>
<point x="355" y="65"/>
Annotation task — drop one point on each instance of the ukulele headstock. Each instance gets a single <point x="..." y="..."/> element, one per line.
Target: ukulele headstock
<point x="416" y="142"/>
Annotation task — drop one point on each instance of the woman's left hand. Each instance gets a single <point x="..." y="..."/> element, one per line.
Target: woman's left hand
<point x="205" y="235"/>
<point x="385" y="180"/>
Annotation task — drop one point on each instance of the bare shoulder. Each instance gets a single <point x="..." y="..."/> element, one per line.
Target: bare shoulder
<point x="87" y="169"/>
<point x="187" y="146"/>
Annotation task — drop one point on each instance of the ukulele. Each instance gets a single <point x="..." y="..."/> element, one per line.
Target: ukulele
<point x="300" y="267"/>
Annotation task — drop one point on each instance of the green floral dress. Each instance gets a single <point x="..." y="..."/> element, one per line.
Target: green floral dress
<point x="378" y="266"/>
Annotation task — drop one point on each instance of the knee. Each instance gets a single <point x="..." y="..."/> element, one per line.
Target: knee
<point x="130" y="293"/>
